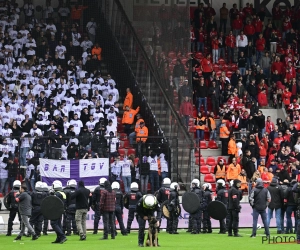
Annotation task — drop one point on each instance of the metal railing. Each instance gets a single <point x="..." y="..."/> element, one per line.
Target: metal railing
<point x="154" y="98"/>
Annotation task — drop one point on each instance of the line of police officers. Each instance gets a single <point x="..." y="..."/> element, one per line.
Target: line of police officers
<point x="140" y="207"/>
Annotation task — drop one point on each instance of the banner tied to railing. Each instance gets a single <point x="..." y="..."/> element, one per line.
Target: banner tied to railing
<point x="87" y="170"/>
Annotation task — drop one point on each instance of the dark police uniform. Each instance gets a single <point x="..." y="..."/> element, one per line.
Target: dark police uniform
<point x="195" y="219"/>
<point x="222" y="196"/>
<point x="234" y="208"/>
<point x="206" y="218"/>
<point x="296" y="190"/>
<point x="56" y="224"/>
<point x="119" y="211"/>
<point x="96" y="206"/>
<point x="130" y="201"/>
<point x="143" y="211"/>
<point x="163" y="195"/>
<point x="70" y="211"/>
<point x="173" y="204"/>
<point x="46" y="221"/>
<point x="37" y="218"/>
<point x="13" y="210"/>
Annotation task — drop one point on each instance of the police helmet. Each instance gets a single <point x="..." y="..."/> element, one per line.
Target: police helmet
<point x="102" y="180"/>
<point x="45" y="187"/>
<point x="115" y="185"/>
<point x="166" y="181"/>
<point x="57" y="185"/>
<point x="17" y="184"/>
<point x="196" y="182"/>
<point x="221" y="182"/>
<point x="39" y="186"/>
<point x="72" y="183"/>
<point x="134" y="186"/>
<point x="149" y="201"/>
<point x="174" y="186"/>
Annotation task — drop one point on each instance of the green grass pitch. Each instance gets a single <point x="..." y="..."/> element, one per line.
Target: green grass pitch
<point x="181" y="241"/>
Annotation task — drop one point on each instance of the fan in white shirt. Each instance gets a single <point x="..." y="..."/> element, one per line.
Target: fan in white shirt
<point x="66" y="124"/>
<point x="6" y="131"/>
<point x="91" y="124"/>
<point x="77" y="124"/>
<point x="73" y="87"/>
<point x="86" y="44"/>
<point x="35" y="130"/>
<point x="69" y="100"/>
<point x="111" y="115"/>
<point x="64" y="11"/>
<point x="110" y="80"/>
<point x="13" y="106"/>
<point x="6" y="116"/>
<point x="48" y="10"/>
<point x="111" y="127"/>
<point x="61" y="50"/>
<point x="44" y="113"/>
<point x="84" y="87"/>
<point x="19" y="117"/>
<point x="108" y="103"/>
<point x="76" y="108"/>
<point x="114" y="92"/>
<point x="75" y="38"/>
<point x="113" y="142"/>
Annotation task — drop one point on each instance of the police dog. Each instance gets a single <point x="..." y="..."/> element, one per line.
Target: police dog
<point x="152" y="233"/>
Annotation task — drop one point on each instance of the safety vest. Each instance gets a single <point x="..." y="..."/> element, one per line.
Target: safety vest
<point x="224" y="132"/>
<point x="202" y="127"/>
<point x="212" y="123"/>
<point x="220" y="173"/>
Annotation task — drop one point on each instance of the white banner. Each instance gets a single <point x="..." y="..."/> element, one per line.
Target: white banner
<point x="55" y="168"/>
<point x="93" y="167"/>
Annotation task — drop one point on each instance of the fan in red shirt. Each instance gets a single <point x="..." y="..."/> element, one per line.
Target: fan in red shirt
<point x="262" y="98"/>
<point x="260" y="46"/>
<point x="237" y="23"/>
<point x="290" y="72"/>
<point x="286" y="97"/>
<point x="213" y="33"/>
<point x="269" y="125"/>
<point x="231" y="102"/>
<point x="279" y="139"/>
<point x="247" y="10"/>
<point x="258" y="25"/>
<point x="209" y="12"/>
<point x="240" y="105"/>
<point x="277" y="65"/>
<point x="249" y="30"/>
<point x="289" y="50"/>
<point x="206" y="67"/>
<point x="286" y="25"/>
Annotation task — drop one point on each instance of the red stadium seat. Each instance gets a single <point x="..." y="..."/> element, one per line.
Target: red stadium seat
<point x="224" y="67"/>
<point x="212" y="144"/>
<point x="233" y="67"/>
<point x="126" y="144"/>
<point x="211" y="161"/>
<point x="229" y="73"/>
<point x="213" y="187"/>
<point x="223" y="158"/>
<point x="123" y="136"/>
<point x="192" y="129"/>
<point x="216" y="67"/>
<point x="202" y="162"/>
<point x="204" y="169"/>
<point x="199" y="55"/>
<point x="218" y="73"/>
<point x="209" y="178"/>
<point x="121" y="151"/>
<point x="136" y="161"/>
<point x="221" y="61"/>
<point x="203" y="145"/>
<point x="131" y="151"/>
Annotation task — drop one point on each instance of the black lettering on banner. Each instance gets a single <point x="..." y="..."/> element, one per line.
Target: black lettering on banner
<point x="263" y="239"/>
<point x="294" y="238"/>
<point x="278" y="237"/>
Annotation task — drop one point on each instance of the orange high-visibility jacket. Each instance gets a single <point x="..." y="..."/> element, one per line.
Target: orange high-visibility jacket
<point x="97" y="51"/>
<point x="128" y="100"/>
<point x="137" y="124"/>
<point x="128" y="116"/>
<point x="233" y="171"/>
<point x="141" y="132"/>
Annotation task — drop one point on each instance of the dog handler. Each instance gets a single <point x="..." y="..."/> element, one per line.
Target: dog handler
<point x="145" y="209"/>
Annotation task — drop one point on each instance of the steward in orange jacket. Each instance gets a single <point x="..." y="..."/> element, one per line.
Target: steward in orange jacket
<point x="128" y="118"/>
<point x="220" y="170"/>
<point x="233" y="170"/>
<point x="97" y="51"/>
<point x="128" y="99"/>
<point x="141" y="131"/>
<point x="224" y="136"/>
<point x="232" y="148"/>
<point x="243" y="178"/>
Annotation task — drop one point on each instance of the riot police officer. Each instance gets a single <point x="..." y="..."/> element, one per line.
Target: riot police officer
<point x="207" y="198"/>
<point x="56" y="224"/>
<point x="13" y="206"/>
<point x="234" y="208"/>
<point x="119" y="206"/>
<point x="130" y="201"/>
<point x="195" y="219"/>
<point x="163" y="194"/>
<point x="145" y="209"/>
<point x="96" y="203"/>
<point x="70" y="207"/>
<point x="37" y="196"/>
<point x="222" y="196"/>
<point x="46" y="221"/>
<point x="172" y="207"/>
